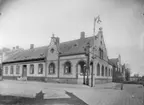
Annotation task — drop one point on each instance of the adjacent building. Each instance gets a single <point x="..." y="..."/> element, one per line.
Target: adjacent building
<point x="118" y="69"/>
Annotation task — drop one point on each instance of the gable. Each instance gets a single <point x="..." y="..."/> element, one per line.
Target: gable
<point x="101" y="44"/>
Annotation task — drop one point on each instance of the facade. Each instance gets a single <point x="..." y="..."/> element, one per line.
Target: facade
<point x="118" y="69"/>
<point x="66" y="62"/>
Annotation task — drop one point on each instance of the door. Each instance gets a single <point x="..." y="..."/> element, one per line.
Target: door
<point x="24" y="71"/>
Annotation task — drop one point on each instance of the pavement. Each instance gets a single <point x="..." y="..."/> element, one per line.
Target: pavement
<point x="101" y="94"/>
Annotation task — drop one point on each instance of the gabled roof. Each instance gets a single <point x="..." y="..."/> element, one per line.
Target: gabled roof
<point x="75" y="46"/>
<point x="113" y="61"/>
<point x="65" y="48"/>
<point x="29" y="54"/>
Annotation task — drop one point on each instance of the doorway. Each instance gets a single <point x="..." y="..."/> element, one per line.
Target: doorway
<point x="24" y="71"/>
<point x="82" y="72"/>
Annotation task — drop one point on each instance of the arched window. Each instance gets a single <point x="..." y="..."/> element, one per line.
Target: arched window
<point x="102" y="73"/>
<point x="106" y="71"/>
<point x="67" y="68"/>
<point x="6" y="70"/>
<point x="101" y="53"/>
<point x="31" y="69"/>
<point x="109" y="73"/>
<point x="51" y="68"/>
<point x="40" y="69"/>
<point x="17" y="69"/>
<point x="11" y="70"/>
<point x="98" y="70"/>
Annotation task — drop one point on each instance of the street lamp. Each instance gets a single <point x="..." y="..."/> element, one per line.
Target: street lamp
<point x="86" y="48"/>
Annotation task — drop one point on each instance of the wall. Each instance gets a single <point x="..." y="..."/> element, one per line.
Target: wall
<point x="28" y="68"/>
<point x="74" y="60"/>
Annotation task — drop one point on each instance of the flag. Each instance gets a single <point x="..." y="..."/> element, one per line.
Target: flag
<point x="97" y="20"/>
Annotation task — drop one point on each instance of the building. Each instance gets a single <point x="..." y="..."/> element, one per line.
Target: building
<point x="118" y="69"/>
<point x="78" y="61"/>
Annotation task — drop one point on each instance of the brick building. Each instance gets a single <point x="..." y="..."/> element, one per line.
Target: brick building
<point x="65" y="62"/>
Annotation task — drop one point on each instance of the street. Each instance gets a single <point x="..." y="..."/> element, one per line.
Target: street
<point x="30" y="92"/>
<point x="132" y="95"/>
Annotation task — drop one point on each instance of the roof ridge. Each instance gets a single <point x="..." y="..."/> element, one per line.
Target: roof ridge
<point x="75" y="40"/>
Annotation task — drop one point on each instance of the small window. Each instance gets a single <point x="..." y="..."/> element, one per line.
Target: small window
<point x="67" y="68"/>
<point x="40" y="69"/>
<point x="6" y="70"/>
<point x="31" y="69"/>
<point x="17" y="69"/>
<point x="101" y="42"/>
<point x="11" y="70"/>
<point x="52" y="50"/>
<point x="51" y="68"/>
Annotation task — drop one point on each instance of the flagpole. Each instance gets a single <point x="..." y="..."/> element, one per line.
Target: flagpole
<point x="94" y="26"/>
<point x="93" y="52"/>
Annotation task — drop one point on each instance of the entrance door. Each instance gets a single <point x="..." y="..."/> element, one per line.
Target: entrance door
<point x="82" y="72"/>
<point x="24" y="71"/>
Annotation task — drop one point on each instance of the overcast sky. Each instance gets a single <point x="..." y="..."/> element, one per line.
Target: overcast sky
<point x="25" y="22"/>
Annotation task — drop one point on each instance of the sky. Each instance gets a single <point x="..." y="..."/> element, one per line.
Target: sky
<point x="25" y="22"/>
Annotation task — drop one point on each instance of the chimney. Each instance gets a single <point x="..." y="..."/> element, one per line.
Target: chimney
<point x="13" y="48"/>
<point x="82" y="34"/>
<point x="57" y="40"/>
<point x="31" y="46"/>
<point x="17" y="47"/>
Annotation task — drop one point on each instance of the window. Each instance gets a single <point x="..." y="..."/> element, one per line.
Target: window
<point x="40" y="69"/>
<point x="100" y="53"/>
<point x="102" y="73"/>
<point x="52" y="50"/>
<point x="109" y="73"/>
<point x="67" y="68"/>
<point x="101" y="42"/>
<point x="106" y="71"/>
<point x="17" y="69"/>
<point x="51" y="68"/>
<point x="31" y="69"/>
<point x="6" y="70"/>
<point x="11" y="70"/>
<point x="98" y="70"/>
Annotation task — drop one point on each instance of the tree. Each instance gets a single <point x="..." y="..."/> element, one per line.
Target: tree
<point x="127" y="74"/>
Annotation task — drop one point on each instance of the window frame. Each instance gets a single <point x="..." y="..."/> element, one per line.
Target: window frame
<point x="53" y="68"/>
<point x="102" y="71"/>
<point x="66" y="64"/>
<point x="106" y="73"/>
<point x="31" y="71"/>
<point x="11" y="69"/>
<point x="109" y="72"/>
<point x="42" y="67"/>
<point x="17" y="69"/>
<point x="98" y="69"/>
<point x="6" y="69"/>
